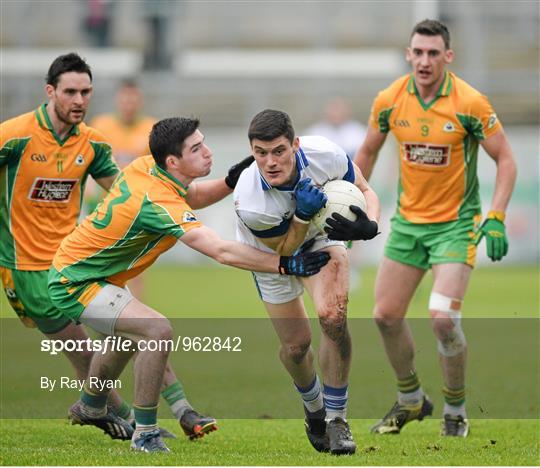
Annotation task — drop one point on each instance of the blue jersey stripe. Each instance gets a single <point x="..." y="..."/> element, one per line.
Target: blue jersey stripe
<point x="276" y="231"/>
<point x="349" y="175"/>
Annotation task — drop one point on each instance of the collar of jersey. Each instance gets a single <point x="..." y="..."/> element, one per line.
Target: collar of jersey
<point x="45" y="122"/>
<point x="444" y="89"/>
<point x="169" y="179"/>
<point x="301" y="164"/>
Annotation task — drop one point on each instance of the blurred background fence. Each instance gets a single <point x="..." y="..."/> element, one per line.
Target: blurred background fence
<point x="224" y="61"/>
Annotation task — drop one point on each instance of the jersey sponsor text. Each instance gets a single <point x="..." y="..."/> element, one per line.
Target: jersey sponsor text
<point x="52" y="190"/>
<point x="426" y="154"/>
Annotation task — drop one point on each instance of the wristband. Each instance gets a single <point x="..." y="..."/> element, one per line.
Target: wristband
<point x="498" y="215"/>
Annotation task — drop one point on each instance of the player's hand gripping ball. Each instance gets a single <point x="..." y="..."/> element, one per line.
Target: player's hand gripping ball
<point x="344" y="216"/>
<point x="309" y="199"/>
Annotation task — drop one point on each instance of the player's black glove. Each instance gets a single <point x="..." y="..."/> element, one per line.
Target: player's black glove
<point x="305" y="264"/>
<point x="234" y="172"/>
<point x="340" y="228"/>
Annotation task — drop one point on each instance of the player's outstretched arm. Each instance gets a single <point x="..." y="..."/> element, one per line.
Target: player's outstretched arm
<point x="208" y="192"/>
<point x="208" y="242"/>
<point x="367" y="153"/>
<point x="493" y="228"/>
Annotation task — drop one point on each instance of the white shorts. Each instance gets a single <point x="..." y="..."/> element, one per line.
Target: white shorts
<point x="103" y="311"/>
<point x="278" y="289"/>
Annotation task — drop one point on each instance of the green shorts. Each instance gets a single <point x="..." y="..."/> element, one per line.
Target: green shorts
<point x="424" y="245"/>
<point x="28" y="296"/>
<point x="70" y="297"/>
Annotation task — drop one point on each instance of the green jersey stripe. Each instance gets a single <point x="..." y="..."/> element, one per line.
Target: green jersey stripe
<point x="384" y="119"/>
<point x="11" y="152"/>
<point x="471" y="204"/>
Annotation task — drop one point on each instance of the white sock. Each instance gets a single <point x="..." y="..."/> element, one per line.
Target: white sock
<point x="312" y="398"/>
<point x="455" y="410"/>
<point x="335" y="401"/>
<point x="412" y="398"/>
<point x="180" y="407"/>
<point x="139" y="428"/>
<point x="316" y="404"/>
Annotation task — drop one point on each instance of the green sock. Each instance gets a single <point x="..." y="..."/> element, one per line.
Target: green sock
<point x="410" y="392"/>
<point x="176" y="398"/>
<point x="92" y="400"/>
<point x="454" y="397"/>
<point x="124" y="411"/>
<point x="145" y="415"/>
<point x="93" y="405"/>
<point x="409" y="384"/>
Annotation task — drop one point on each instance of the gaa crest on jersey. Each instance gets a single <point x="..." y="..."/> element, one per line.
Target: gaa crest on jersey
<point x="449" y="127"/>
<point x="10" y="293"/>
<point x="52" y="190"/>
<point x="79" y="160"/>
<point x="492" y="120"/>
<point x="188" y="217"/>
<point x="425" y="154"/>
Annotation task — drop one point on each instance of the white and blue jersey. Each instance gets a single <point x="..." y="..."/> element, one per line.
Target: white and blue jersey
<point x="264" y="211"/>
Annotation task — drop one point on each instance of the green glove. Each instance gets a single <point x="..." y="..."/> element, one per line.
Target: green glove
<point x="495" y="232"/>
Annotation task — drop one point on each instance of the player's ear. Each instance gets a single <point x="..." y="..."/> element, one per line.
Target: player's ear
<point x="448" y="56"/>
<point x="172" y="161"/>
<point x="296" y="144"/>
<point x="408" y="54"/>
<point x="49" y="90"/>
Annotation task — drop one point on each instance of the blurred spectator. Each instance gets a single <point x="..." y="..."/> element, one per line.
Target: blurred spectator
<point x="157" y="14"/>
<point x="127" y="130"/>
<point x="97" y="21"/>
<point x="338" y="126"/>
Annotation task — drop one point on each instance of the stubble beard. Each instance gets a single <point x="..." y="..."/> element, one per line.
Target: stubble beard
<point x="64" y="116"/>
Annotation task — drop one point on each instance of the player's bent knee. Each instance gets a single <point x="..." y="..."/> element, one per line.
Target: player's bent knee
<point x="446" y="320"/>
<point x="334" y="324"/>
<point x="387" y="321"/>
<point x="296" y="352"/>
<point x="159" y="329"/>
<point x="334" y="310"/>
<point x="451" y="342"/>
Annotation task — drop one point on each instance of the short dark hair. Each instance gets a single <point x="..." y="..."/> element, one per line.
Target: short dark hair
<point x="168" y="136"/>
<point x="269" y="125"/>
<point x="71" y="62"/>
<point x="429" y="27"/>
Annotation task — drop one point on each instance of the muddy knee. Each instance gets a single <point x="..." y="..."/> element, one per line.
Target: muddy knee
<point x="295" y="352"/>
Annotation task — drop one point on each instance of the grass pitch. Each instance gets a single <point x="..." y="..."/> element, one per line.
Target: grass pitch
<point x="503" y="380"/>
<point x="274" y="442"/>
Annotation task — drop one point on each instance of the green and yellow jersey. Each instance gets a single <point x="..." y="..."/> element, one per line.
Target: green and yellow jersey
<point x="438" y="146"/>
<point x="41" y="184"/>
<point x="143" y="215"/>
